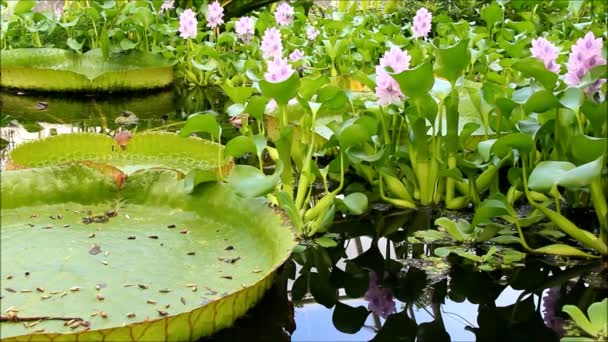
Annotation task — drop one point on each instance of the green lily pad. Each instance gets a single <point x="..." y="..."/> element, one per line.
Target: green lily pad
<point x="143" y="151"/>
<point x="50" y="69"/>
<point x="146" y="263"/>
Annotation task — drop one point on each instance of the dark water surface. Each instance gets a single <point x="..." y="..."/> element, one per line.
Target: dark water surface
<point x="434" y="299"/>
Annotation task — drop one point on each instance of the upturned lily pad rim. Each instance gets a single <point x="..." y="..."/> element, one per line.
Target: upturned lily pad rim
<point x="252" y="292"/>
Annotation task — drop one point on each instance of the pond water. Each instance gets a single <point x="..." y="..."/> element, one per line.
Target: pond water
<point x="434" y="299"/>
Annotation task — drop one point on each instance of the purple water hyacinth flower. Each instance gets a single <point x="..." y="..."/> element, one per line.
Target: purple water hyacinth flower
<point x="284" y="14"/>
<point x="245" y="29"/>
<point x="584" y="56"/>
<point x="312" y="33"/>
<point x="422" y="23"/>
<point x="552" y="309"/>
<point x="215" y="12"/>
<point x="397" y="59"/>
<point x="167" y="5"/>
<point x="380" y="298"/>
<point x="546" y="52"/>
<point x="278" y="70"/>
<point x="272" y="46"/>
<point x="187" y="24"/>
<point x="387" y="89"/>
<point x="296" y="55"/>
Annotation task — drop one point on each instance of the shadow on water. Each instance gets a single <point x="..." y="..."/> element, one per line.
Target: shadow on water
<point x="324" y="293"/>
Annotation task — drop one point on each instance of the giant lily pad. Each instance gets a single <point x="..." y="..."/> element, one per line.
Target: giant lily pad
<point x="51" y="69"/>
<point x="143" y="151"/>
<point x="84" y="261"/>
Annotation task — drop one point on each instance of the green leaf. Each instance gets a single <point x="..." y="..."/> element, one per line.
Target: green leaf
<point x="249" y="181"/>
<point x="398" y="327"/>
<point x="580" y="319"/>
<point x="127" y="44"/>
<point x="547" y="173"/>
<point x="597" y="315"/>
<point x="584" y="148"/>
<point x="282" y="92"/>
<point x="239" y="146"/>
<point x="533" y="67"/>
<point x="514" y="141"/>
<point x="452" y="61"/>
<point x="416" y="82"/>
<point x="541" y="101"/>
<point x="582" y="175"/>
<point x="572" y="98"/>
<point x="450" y="227"/>
<point x="325" y="242"/>
<point x="256" y="106"/>
<point x="563" y="250"/>
<point x="492" y="14"/>
<point x="353" y="134"/>
<point x="201" y="123"/>
<point x="347" y="319"/>
<point x="63" y="70"/>
<point x="151" y="204"/>
<point x="237" y="94"/>
<point x="356" y="203"/>
<point x="494" y="206"/>
<point x="74" y="44"/>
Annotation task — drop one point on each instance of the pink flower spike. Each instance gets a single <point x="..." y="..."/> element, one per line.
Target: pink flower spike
<point x="546" y="52"/>
<point x="312" y="33"/>
<point x="167" y="5"/>
<point x="284" y="14"/>
<point x="584" y="56"/>
<point x="187" y="24"/>
<point x="296" y="55"/>
<point x="272" y="45"/>
<point x="422" y="23"/>
<point x="215" y="12"/>
<point x="278" y="70"/>
<point x="245" y="29"/>
<point x="397" y="59"/>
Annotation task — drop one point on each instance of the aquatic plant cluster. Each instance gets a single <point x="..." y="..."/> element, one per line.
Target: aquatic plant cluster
<point x="495" y="109"/>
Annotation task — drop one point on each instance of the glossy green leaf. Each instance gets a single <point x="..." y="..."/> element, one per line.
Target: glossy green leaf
<point x="541" y="101"/>
<point x="492" y="14"/>
<point x="452" y="61"/>
<point x="514" y="141"/>
<point x="598" y="316"/>
<point x="417" y="81"/>
<point x="547" y="173"/>
<point x="356" y="203"/>
<point x="201" y="266"/>
<point x="249" y="181"/>
<point x="282" y="92"/>
<point x="582" y="175"/>
<point x="206" y="123"/>
<point x="450" y="227"/>
<point x="563" y="250"/>
<point x="494" y="206"/>
<point x="237" y="94"/>
<point x="239" y="146"/>
<point x="584" y="148"/>
<point x="534" y="67"/>
<point x="580" y="319"/>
